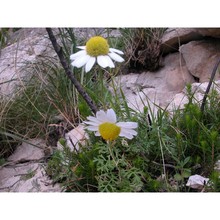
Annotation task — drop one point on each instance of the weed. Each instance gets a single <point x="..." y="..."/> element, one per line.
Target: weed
<point x="142" y="48"/>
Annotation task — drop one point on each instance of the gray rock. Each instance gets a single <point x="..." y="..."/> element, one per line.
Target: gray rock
<point x="201" y="57"/>
<point x="75" y="137"/>
<point x="12" y="174"/>
<point x="173" y="38"/>
<point x="25" y="48"/>
<point x="83" y="34"/>
<point x="198" y="89"/>
<point x="27" y="151"/>
<point x="24" y="170"/>
<point x="155" y="87"/>
<point x="210" y="32"/>
<point x="26" y="177"/>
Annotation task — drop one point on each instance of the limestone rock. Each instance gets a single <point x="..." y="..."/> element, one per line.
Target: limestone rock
<point x="198" y="89"/>
<point x="75" y="137"/>
<point x="176" y="73"/>
<point x="24" y="170"/>
<point x="83" y="34"/>
<point x="178" y="102"/>
<point x="197" y="182"/>
<point x="209" y="32"/>
<point x="217" y="166"/>
<point x="201" y="57"/>
<point x="26" y="177"/>
<point x="173" y="38"/>
<point x="155" y="87"/>
<point x="27" y="151"/>
<point x="26" y="46"/>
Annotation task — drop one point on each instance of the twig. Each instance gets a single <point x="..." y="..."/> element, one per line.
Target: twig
<point x="69" y="73"/>
<point x="21" y="162"/>
<point x="209" y="85"/>
<point x="197" y="166"/>
<point x="74" y="146"/>
<point x="166" y="165"/>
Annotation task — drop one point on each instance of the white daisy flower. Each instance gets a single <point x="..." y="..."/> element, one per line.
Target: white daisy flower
<point x="96" y="49"/>
<point x="105" y="124"/>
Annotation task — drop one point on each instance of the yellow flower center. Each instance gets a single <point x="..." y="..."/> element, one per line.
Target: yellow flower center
<point x="96" y="46"/>
<point x="109" y="131"/>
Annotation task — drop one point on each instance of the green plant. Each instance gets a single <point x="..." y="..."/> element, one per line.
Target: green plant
<point x="142" y="47"/>
<point x="181" y="172"/>
<point x="166" y="151"/>
<point x="74" y="170"/>
<point x="214" y="182"/>
<point x="3" y="37"/>
<point x="115" y="170"/>
<point x="24" y="115"/>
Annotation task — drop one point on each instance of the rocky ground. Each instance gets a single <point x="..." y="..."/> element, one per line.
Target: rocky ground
<point x="24" y="170"/>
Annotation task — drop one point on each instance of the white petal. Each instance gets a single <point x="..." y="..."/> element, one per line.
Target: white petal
<point x="128" y="131"/>
<point x="115" y="50"/>
<point x="116" y="57"/>
<point x="110" y="63"/>
<point x="127" y="124"/>
<point x="91" y="123"/>
<point x="81" y="61"/>
<point x="97" y="133"/>
<point x="78" y="54"/>
<point x="111" y="116"/>
<point x="92" y="128"/>
<point x="93" y="119"/>
<point x="101" y="116"/>
<point x="127" y="135"/>
<point x="90" y="64"/>
<point x="102" y="61"/>
<point x="81" y="47"/>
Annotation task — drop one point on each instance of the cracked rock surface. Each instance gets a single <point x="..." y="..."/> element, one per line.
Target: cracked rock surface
<point x="25" y="170"/>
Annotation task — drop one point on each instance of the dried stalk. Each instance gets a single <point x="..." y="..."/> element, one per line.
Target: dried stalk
<point x="69" y="73"/>
<point x="209" y="85"/>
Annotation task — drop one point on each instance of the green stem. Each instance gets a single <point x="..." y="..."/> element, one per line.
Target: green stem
<point x="213" y="154"/>
<point x="103" y="90"/>
<point x="109" y="143"/>
<point x="162" y="155"/>
<point x="110" y="146"/>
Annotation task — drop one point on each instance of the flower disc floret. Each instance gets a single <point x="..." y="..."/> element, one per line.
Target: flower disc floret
<point x="109" y="131"/>
<point x="97" y="46"/>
